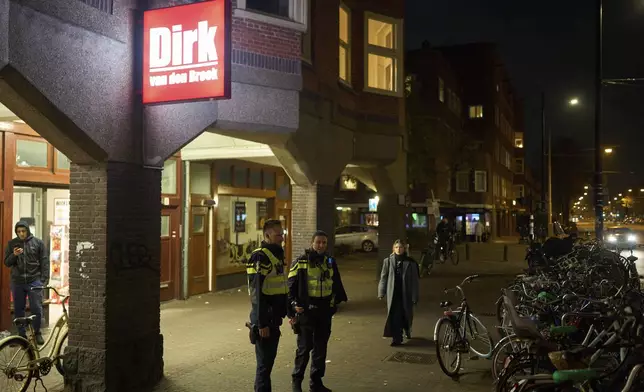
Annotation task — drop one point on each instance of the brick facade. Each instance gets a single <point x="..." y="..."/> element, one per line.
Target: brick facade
<point x="114" y="278"/>
<point x="313" y="209"/>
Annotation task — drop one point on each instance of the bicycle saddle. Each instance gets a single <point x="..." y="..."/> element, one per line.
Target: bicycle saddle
<point x="24" y="321"/>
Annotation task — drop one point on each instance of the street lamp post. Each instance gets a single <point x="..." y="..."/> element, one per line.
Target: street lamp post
<point x="599" y="197"/>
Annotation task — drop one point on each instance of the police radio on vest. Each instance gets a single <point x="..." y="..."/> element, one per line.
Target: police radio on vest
<point x="176" y="46"/>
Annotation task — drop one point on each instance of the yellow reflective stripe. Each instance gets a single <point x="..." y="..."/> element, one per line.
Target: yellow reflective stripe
<point x="251" y="270"/>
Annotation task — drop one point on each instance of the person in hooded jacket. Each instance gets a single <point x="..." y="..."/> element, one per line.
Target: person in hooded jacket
<point x="315" y="289"/>
<point x="399" y="283"/>
<point x="28" y="259"/>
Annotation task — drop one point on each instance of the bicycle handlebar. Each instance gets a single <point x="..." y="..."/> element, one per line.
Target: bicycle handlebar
<point x="50" y="288"/>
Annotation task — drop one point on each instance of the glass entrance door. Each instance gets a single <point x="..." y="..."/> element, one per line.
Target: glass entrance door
<point x="27" y="206"/>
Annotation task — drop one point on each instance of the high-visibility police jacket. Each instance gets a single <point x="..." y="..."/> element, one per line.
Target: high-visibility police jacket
<point x="267" y="286"/>
<point x="274" y="282"/>
<point x="311" y="281"/>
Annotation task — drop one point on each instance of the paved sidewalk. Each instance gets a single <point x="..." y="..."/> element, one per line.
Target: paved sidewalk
<point x="207" y="348"/>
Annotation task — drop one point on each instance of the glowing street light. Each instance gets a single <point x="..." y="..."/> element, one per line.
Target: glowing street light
<point x="586" y="187"/>
<point x="581" y="198"/>
<point x="630" y="190"/>
<point x="585" y="193"/>
<point x="608" y="150"/>
<point x="620" y="195"/>
<point x="642" y="190"/>
<point x="574" y="102"/>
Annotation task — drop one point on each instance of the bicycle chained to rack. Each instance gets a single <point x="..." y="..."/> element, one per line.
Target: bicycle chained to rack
<point x="27" y="360"/>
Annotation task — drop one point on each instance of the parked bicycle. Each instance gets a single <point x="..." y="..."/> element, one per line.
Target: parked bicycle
<point x="458" y="332"/>
<point x="22" y="359"/>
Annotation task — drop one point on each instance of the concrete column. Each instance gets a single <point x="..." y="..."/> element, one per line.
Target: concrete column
<point x="313" y="209"/>
<point x="114" y="331"/>
<point x="391" y="225"/>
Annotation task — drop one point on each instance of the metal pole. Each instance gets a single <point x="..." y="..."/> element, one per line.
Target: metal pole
<point x="543" y="150"/>
<point x="550" y="222"/>
<point x="599" y="196"/>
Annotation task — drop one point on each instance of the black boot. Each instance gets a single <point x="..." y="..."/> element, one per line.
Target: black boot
<point x="39" y="339"/>
<point x="297" y="385"/>
<point x="319" y="388"/>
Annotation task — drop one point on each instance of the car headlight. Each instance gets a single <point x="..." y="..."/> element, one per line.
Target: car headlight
<point x="632" y="238"/>
<point x="612" y="238"/>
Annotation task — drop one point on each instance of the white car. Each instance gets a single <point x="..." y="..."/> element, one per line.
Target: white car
<point x="358" y="237"/>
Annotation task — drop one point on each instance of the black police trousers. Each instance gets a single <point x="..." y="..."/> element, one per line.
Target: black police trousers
<point x="312" y="341"/>
<point x="265" y="353"/>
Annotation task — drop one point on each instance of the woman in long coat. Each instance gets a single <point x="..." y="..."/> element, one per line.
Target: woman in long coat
<point x="399" y="283"/>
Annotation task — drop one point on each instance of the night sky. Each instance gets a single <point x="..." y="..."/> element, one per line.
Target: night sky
<point x="550" y="46"/>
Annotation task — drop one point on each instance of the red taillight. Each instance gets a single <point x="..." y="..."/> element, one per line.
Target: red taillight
<point x="448" y="313"/>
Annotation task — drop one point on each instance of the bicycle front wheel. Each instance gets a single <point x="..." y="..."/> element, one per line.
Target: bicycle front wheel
<point x="449" y="358"/>
<point x="478" y="337"/>
<point x="15" y="356"/>
<point x="61" y="351"/>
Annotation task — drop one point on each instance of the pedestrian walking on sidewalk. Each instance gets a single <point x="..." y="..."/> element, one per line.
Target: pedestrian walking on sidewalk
<point x="315" y="289"/>
<point x="28" y="259"/>
<point x="399" y="283"/>
<point x="478" y="231"/>
<point x="268" y="290"/>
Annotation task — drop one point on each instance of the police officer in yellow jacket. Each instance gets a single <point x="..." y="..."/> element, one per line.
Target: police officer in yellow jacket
<point x="267" y="286"/>
<point x="315" y="288"/>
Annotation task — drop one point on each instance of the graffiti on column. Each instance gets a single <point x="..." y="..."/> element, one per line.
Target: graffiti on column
<point x="131" y="256"/>
<point x="81" y="248"/>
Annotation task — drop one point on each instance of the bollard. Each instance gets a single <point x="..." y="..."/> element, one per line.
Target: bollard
<point x="467" y="251"/>
<point x="505" y="253"/>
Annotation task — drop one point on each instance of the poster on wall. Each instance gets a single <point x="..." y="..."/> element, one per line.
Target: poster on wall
<point x="61" y="211"/>
<point x="262" y="214"/>
<point x="240" y="217"/>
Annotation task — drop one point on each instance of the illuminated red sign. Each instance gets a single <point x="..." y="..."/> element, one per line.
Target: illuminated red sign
<point x="186" y="52"/>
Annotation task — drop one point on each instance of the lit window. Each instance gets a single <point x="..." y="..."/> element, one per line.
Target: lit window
<point x="480" y="181"/>
<point x="345" y="44"/>
<point x="518" y="142"/>
<point x="441" y="90"/>
<point x="462" y="182"/>
<point x="169" y="177"/>
<point x="383" y="55"/>
<point x="31" y="153"/>
<point x="519" y="191"/>
<point x="476" y="111"/>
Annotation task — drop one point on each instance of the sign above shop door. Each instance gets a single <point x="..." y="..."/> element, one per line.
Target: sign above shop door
<point x="186" y="52"/>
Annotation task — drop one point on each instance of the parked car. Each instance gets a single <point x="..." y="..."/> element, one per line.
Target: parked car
<point x="358" y="237"/>
<point x="620" y="238"/>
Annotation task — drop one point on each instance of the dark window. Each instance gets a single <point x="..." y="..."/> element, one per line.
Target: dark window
<point x="224" y="174"/>
<point x="275" y="7"/>
<point x="343" y="230"/>
<point x="358" y="229"/>
<point x="255" y="180"/>
<point x="241" y="177"/>
<point x="269" y="180"/>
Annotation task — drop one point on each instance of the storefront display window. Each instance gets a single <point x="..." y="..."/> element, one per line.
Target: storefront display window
<point x="239" y="230"/>
<point x="471" y="220"/>
<point x="169" y="177"/>
<point x="418" y="221"/>
<point x="31" y="153"/>
<point x="62" y="162"/>
<point x="371" y="219"/>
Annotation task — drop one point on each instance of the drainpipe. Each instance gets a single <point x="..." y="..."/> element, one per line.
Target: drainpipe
<point x="185" y="227"/>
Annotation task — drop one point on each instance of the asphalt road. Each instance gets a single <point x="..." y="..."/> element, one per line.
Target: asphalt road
<point x="639" y="231"/>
